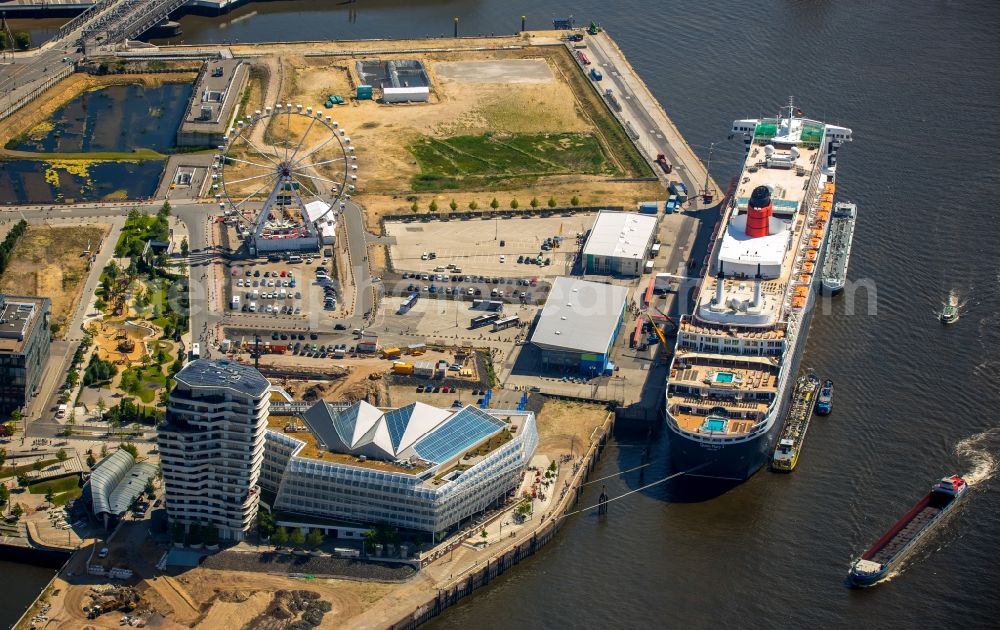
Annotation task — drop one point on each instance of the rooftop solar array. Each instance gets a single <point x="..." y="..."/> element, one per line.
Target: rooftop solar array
<point x="463" y="430"/>
<point x="396" y="421"/>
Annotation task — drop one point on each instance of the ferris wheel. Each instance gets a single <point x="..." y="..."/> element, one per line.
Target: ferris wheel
<point x="284" y="153"/>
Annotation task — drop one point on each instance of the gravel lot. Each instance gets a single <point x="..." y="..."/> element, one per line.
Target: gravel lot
<point x="327" y="566"/>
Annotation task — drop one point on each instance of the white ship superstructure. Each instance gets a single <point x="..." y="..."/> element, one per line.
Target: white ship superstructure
<point x="737" y="354"/>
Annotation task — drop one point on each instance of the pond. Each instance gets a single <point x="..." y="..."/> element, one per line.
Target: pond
<point x="116" y="118"/>
<point x="31" y="181"/>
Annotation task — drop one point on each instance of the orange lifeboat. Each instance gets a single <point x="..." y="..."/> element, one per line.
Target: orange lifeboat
<point x="814" y="242"/>
<point x="805" y="278"/>
<point x="811" y="255"/>
<point x="798" y="303"/>
<point x="808" y="267"/>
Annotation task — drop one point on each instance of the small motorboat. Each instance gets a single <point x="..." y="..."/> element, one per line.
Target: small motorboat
<point x="949" y="312"/>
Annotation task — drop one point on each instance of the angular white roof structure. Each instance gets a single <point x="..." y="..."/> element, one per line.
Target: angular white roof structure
<point x="580" y="316"/>
<point x="429" y="433"/>
<point x="316" y="209"/>
<point x="620" y="235"/>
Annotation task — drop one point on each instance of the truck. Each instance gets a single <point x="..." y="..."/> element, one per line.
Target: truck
<point x="661" y="159"/>
<point x="679" y="189"/>
<point x="609" y="96"/>
<point x="582" y="56"/>
<point x="595" y="74"/>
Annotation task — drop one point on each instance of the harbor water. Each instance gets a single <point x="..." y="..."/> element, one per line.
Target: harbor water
<point x="915" y="400"/>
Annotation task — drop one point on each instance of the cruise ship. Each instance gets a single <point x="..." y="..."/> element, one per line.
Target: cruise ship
<point x="737" y="354"/>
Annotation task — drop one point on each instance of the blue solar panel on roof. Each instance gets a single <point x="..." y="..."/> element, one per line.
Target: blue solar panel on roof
<point x="344" y="421"/>
<point x="463" y="430"/>
<point x="396" y="421"/>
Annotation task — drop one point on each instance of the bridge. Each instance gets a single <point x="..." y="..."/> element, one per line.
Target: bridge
<point x="110" y="22"/>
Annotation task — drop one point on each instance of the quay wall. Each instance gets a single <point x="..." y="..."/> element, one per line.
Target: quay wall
<point x="513" y="553"/>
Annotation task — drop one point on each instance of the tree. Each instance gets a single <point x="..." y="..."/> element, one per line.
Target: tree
<point x="297" y="538"/>
<point x="101" y="407"/>
<point x="184" y="247"/>
<point x="575" y="201"/>
<point x="433" y="207"/>
<point x="211" y="532"/>
<point x="164" y="211"/>
<point x="4" y="494"/>
<point x="280" y="537"/>
<point x="16" y="416"/>
<point x="534" y="202"/>
<point x="514" y="204"/>
<point x="22" y="40"/>
<point x="484" y="535"/>
<point x="552" y="202"/>
<point x="131" y="449"/>
<point x="104" y="451"/>
<point x="414" y="207"/>
<point x="61" y="455"/>
<point x="23" y="480"/>
<point x="177" y="531"/>
<point x="473" y="205"/>
<point x="314" y="539"/>
<point x="3" y="457"/>
<point x="16" y="511"/>
<point x="50" y="495"/>
<point x="265" y="523"/>
<point x="370" y="538"/>
<point x="494" y="204"/>
<point x="91" y="462"/>
<point x="453" y="205"/>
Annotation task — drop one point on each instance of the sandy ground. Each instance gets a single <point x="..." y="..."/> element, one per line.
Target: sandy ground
<point x="564" y="426"/>
<point x="47" y="262"/>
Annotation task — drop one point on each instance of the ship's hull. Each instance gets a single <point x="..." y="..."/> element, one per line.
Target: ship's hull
<point x="862" y="579"/>
<point x="738" y="461"/>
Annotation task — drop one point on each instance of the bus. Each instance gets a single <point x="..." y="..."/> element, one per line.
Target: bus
<point x="506" y="322"/>
<point x="482" y="320"/>
<point x="407" y="304"/>
<point x="195" y="350"/>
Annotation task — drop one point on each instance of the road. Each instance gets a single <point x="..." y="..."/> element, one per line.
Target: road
<point x="656" y="133"/>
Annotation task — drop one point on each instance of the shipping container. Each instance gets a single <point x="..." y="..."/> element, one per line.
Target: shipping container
<point x="368" y="347"/>
<point x="654" y="251"/>
<point x="364" y="93"/>
<point x="402" y="368"/>
<point x="679" y="189"/>
<point x="649" y="267"/>
<point x="649" y="207"/>
<point x="391" y="353"/>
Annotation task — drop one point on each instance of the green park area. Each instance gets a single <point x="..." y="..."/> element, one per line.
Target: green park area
<point x="492" y="159"/>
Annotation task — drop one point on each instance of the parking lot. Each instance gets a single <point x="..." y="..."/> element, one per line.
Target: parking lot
<point x="285" y="290"/>
<point x="489" y="246"/>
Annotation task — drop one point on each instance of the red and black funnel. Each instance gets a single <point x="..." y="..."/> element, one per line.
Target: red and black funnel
<point x="759" y="212"/>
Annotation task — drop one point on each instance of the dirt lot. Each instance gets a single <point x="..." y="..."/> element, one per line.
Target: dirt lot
<point x="565" y="425"/>
<point x="48" y="262"/>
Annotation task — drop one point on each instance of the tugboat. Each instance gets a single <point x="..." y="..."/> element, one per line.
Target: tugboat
<point x="902" y="538"/>
<point x="949" y="313"/>
<point x="824" y="402"/>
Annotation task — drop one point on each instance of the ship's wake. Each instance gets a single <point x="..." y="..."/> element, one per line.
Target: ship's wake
<point x="981" y="450"/>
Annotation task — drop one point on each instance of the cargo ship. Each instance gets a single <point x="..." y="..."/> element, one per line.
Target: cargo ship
<point x="838" y="251"/>
<point x="793" y="433"/>
<point x="889" y="550"/>
<point x="737" y="354"/>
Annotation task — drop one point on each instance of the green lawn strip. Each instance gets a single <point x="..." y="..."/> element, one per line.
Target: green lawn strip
<point x="138" y="155"/>
<point x="57" y="485"/>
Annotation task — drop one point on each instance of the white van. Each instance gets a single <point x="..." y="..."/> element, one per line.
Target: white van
<point x="294" y="258"/>
<point x="253" y="307"/>
<point x="195" y="350"/>
<point x="236" y="303"/>
<point x="61" y="411"/>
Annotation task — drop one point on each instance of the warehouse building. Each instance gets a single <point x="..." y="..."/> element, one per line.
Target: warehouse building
<point x="618" y="243"/>
<point x="25" y="338"/>
<point x="578" y="325"/>
<point x="418" y="467"/>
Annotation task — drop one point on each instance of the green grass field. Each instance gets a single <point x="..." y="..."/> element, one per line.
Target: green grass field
<point x="486" y="160"/>
<point x="63" y="488"/>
